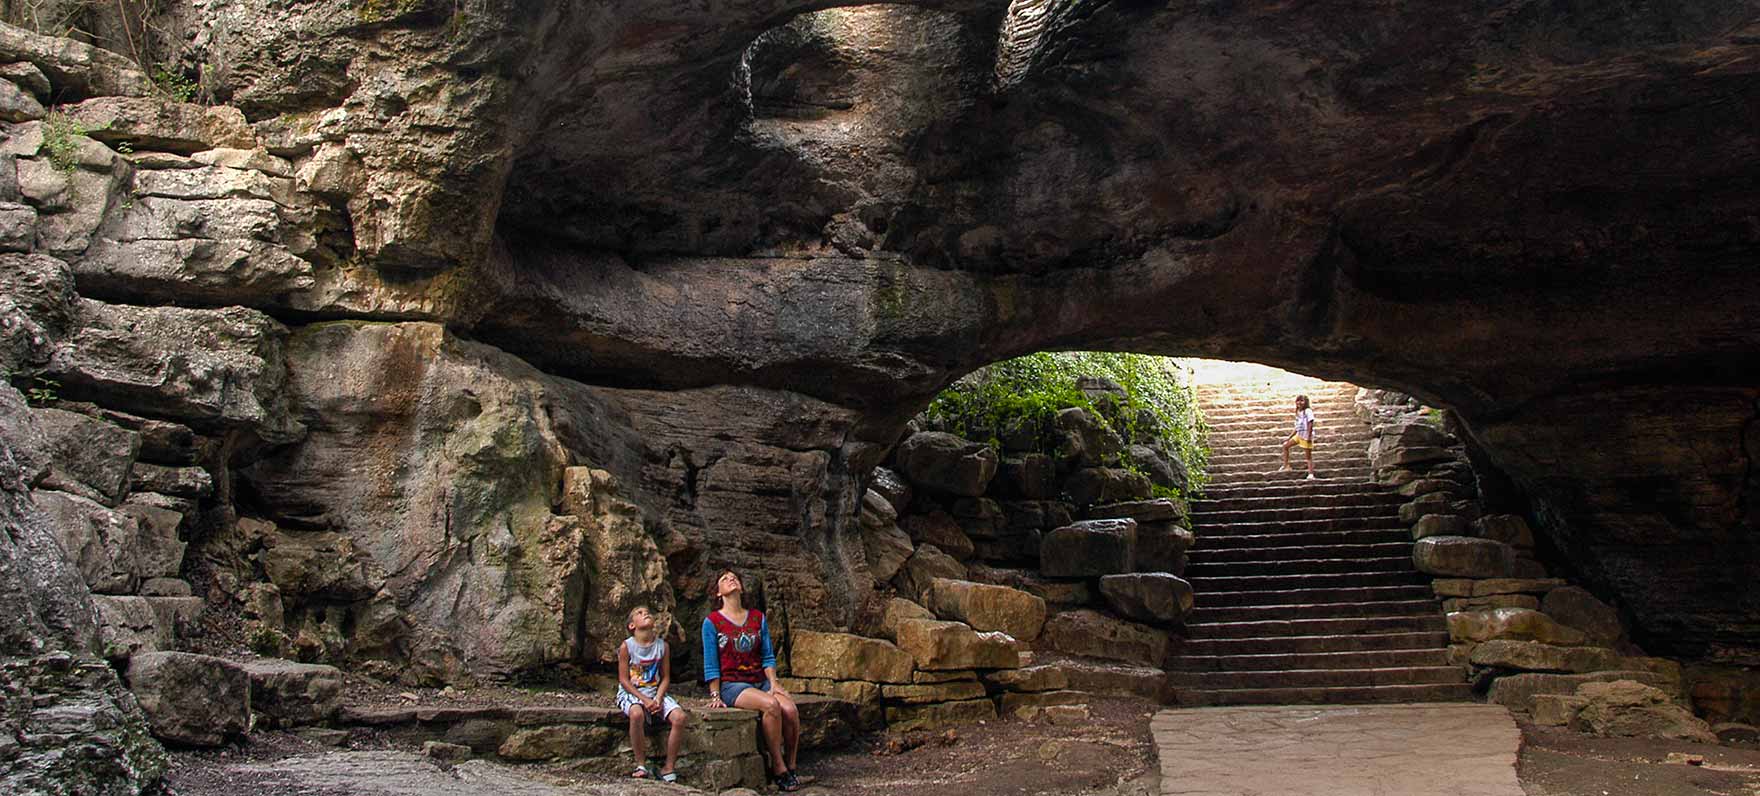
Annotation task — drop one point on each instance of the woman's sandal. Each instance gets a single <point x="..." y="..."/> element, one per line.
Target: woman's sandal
<point x="788" y="782"/>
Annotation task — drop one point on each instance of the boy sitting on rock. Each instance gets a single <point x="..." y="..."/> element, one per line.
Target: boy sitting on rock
<point x="644" y="670"/>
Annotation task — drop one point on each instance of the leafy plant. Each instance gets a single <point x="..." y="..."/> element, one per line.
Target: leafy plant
<point x="43" y="391"/>
<point x="61" y="135"/>
<point x="175" y="84"/>
<point x="1023" y="395"/>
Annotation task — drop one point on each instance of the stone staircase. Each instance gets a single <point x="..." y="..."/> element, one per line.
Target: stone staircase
<point x="1306" y="591"/>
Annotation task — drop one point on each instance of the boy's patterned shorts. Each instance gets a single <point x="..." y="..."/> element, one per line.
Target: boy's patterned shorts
<point x="626" y="700"/>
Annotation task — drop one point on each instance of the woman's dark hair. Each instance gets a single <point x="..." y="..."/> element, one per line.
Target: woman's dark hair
<point x="715" y="585"/>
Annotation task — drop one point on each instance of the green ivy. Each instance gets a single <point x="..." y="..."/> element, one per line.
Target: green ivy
<point x="1023" y="395"/>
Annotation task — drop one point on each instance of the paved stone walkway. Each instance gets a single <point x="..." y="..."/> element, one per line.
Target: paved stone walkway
<point x="1439" y="749"/>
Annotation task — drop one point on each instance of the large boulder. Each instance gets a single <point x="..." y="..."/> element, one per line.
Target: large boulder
<point x="1517" y="691"/>
<point x="942" y="646"/>
<point x="1161" y="547"/>
<point x="1096" y="635"/>
<point x="289" y="694"/>
<point x="1534" y="656"/>
<point x="1463" y="557"/>
<point x="1517" y="624"/>
<point x="1032" y="476"/>
<point x="987" y="607"/>
<point x="841" y="656"/>
<point x="1086" y="439"/>
<point x="1162" y="468"/>
<point x="208" y="368"/>
<point x="197" y="700"/>
<point x="1091" y="485"/>
<point x="1089" y="548"/>
<point x="1574" y="606"/>
<point x="38" y="309"/>
<point x="115" y="549"/>
<point x="887" y="548"/>
<point x="941" y="530"/>
<point x="88" y="457"/>
<point x="1629" y="709"/>
<point x="152" y="123"/>
<point x="1154" y="597"/>
<point x="947" y="463"/>
<point x="1143" y="511"/>
<point x="131" y="625"/>
<point x="75" y="67"/>
<point x="892" y="488"/>
<point x="898" y="611"/>
<point x="923" y="567"/>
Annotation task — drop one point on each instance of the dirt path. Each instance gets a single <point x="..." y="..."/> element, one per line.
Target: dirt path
<point x="1110" y="754"/>
<point x="1560" y="762"/>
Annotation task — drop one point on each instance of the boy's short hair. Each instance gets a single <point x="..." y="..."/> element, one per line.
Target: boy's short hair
<point x="631" y="618"/>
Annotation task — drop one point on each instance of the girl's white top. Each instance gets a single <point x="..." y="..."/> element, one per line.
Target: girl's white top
<point x="1305" y="424"/>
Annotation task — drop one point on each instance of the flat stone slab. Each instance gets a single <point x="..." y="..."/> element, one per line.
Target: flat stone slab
<point x="407" y="774"/>
<point x="1442" y="749"/>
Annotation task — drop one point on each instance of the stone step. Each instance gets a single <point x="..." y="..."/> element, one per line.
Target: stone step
<point x="1273" y="444"/>
<point x="1255" y="457"/>
<point x="1316" y="627"/>
<point x="1287" y="645"/>
<point x="1273" y="464"/>
<point x="1321" y="678"/>
<point x="1346" y="580"/>
<point x="1223" y="541"/>
<point x="1300" y="566"/>
<point x="1345" y="487"/>
<point x="1366" y="659"/>
<point x="1112" y="678"/>
<point x="1259" y="613"/>
<point x="1301" y="552"/>
<point x="1358" y="475"/>
<point x="1289" y="514"/>
<point x="1297" y="596"/>
<point x="1263" y="528"/>
<point x="1377" y="497"/>
<point x="1284" y="416"/>
<point x="1243" y="439"/>
<point x="1344" y="695"/>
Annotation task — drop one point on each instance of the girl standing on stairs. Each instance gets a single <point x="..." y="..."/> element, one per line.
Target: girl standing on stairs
<point x="1304" y="436"/>
<point x="740" y="665"/>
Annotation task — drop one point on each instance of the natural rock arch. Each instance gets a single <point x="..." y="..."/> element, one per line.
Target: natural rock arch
<point x="1464" y="202"/>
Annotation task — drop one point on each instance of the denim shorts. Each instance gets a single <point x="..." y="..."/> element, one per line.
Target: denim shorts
<point x="730" y="691"/>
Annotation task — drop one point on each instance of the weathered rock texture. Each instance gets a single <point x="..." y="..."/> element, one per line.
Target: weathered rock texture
<point x="495" y="318"/>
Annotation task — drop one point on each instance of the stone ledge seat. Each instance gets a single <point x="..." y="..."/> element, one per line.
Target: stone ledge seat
<point x="721" y="748"/>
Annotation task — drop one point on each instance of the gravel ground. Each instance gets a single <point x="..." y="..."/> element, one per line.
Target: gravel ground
<point x="1560" y="762"/>
<point x="1110" y="754"/>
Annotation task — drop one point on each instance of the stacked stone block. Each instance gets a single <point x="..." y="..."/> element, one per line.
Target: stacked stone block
<point x="1525" y="635"/>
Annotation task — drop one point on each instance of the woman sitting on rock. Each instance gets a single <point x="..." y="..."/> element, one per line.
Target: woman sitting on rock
<point x="740" y="666"/>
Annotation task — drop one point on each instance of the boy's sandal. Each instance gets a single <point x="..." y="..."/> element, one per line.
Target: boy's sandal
<point x="669" y="776"/>
<point x="641" y="772"/>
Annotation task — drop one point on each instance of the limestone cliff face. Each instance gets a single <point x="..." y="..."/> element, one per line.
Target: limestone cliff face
<point x="421" y="266"/>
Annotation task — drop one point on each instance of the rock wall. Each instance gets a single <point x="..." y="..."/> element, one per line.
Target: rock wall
<point x="484" y="320"/>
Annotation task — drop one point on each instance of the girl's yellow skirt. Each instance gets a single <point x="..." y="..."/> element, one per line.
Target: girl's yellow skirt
<point x="1297" y="439"/>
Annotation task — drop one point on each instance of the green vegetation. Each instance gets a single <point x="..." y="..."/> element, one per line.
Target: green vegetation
<point x="61" y="135"/>
<point x="1024" y="395"/>
<point x="42" y="391"/>
<point x="175" y="85"/>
